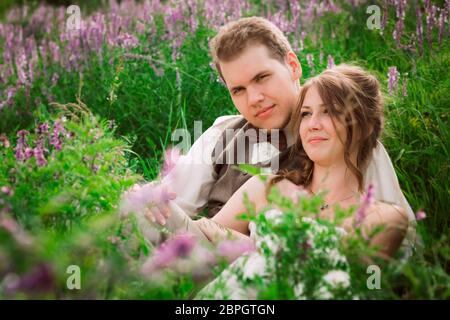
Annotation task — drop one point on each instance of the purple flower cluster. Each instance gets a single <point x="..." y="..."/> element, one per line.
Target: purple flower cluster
<point x="393" y="76"/>
<point x="179" y="247"/>
<point x="366" y="202"/>
<point x="24" y="152"/>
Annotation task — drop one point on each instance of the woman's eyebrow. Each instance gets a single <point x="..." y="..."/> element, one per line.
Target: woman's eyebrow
<point x="309" y="107"/>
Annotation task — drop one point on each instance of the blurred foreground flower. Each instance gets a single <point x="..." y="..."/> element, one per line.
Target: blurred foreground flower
<point x="366" y="202"/>
<point x="420" y="215"/>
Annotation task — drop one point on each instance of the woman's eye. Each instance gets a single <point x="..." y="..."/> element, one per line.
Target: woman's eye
<point x="236" y="91"/>
<point x="305" y="114"/>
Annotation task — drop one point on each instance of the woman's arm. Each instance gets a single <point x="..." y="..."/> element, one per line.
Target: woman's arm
<point x="225" y="222"/>
<point x="394" y="223"/>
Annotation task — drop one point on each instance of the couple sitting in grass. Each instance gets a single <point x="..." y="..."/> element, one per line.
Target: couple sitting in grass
<point x="328" y="134"/>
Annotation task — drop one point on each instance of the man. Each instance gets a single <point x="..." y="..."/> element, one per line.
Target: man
<point x="261" y="72"/>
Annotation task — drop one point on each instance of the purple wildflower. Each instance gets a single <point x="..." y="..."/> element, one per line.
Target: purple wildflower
<point x="420" y="215"/>
<point x="55" y="78"/>
<point x="29" y="152"/>
<point x="14" y="228"/>
<point x="385" y="16"/>
<point x="398" y="31"/>
<point x="58" y="130"/>
<point x="179" y="247"/>
<point x="139" y="198"/>
<point x="441" y="26"/>
<point x="419" y="29"/>
<point x="405" y="80"/>
<point x="127" y="41"/>
<point x="54" y="50"/>
<point x="170" y="160"/>
<point x="366" y="202"/>
<point x="430" y="19"/>
<point x="4" y="141"/>
<point x="310" y="60"/>
<point x="393" y="75"/>
<point x="7" y="190"/>
<point x="40" y="279"/>
<point x="39" y="155"/>
<point x="330" y="62"/>
<point x="232" y="249"/>
<point x="21" y="145"/>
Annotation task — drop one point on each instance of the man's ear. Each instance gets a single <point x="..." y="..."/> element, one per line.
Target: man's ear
<point x="294" y="65"/>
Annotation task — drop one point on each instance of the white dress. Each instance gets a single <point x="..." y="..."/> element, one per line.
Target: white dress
<point x="239" y="281"/>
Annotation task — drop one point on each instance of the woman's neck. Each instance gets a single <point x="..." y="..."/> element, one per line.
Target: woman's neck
<point x="336" y="180"/>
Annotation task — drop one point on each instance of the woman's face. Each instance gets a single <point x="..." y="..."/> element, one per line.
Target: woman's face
<point x="320" y="138"/>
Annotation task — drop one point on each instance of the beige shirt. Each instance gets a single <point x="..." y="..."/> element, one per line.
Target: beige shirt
<point x="194" y="175"/>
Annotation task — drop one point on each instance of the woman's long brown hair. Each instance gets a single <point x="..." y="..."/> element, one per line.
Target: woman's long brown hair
<point x="351" y="96"/>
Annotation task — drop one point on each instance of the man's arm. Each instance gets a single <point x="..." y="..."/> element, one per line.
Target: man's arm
<point x="193" y="175"/>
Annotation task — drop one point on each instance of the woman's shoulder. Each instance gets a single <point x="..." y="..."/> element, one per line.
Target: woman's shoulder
<point x="388" y="213"/>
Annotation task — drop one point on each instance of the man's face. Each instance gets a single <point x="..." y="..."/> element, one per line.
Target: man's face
<point x="263" y="89"/>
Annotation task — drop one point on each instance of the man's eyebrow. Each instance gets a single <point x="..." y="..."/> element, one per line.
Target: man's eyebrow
<point x="258" y="75"/>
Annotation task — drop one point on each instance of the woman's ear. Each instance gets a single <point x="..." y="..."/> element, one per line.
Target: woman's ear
<point x="294" y="65"/>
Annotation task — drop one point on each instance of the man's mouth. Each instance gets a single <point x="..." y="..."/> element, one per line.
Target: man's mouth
<point x="265" y="111"/>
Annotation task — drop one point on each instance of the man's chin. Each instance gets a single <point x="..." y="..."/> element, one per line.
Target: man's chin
<point x="270" y="124"/>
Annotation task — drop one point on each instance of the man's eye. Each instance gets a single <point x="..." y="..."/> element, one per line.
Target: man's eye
<point x="262" y="77"/>
<point x="236" y="91"/>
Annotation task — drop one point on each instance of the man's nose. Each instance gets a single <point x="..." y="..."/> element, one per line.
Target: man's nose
<point x="255" y="96"/>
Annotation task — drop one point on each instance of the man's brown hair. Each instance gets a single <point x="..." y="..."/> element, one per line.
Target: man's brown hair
<point x="236" y="36"/>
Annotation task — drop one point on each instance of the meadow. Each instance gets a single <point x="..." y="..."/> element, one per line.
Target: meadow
<point x="89" y="100"/>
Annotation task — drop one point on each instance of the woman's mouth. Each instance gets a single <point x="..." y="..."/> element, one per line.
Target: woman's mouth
<point x="316" y="140"/>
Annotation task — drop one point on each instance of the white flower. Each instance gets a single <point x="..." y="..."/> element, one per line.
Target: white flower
<point x="299" y="289"/>
<point x="335" y="257"/>
<point x="324" y="293"/>
<point x="274" y="215"/>
<point x="254" y="266"/>
<point x="273" y="243"/>
<point x="337" y="278"/>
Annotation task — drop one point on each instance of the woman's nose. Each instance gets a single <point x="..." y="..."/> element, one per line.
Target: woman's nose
<point x="314" y="122"/>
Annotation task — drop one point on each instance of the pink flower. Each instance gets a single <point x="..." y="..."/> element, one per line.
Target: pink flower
<point x="366" y="202"/>
<point x="178" y="247"/>
<point x="232" y="249"/>
<point x="170" y="160"/>
<point x="21" y="145"/>
<point x="330" y="62"/>
<point x="55" y="140"/>
<point x="4" y="141"/>
<point x="148" y="195"/>
<point x="420" y="215"/>
<point x="393" y="75"/>
<point x="127" y="41"/>
<point x="7" y="190"/>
